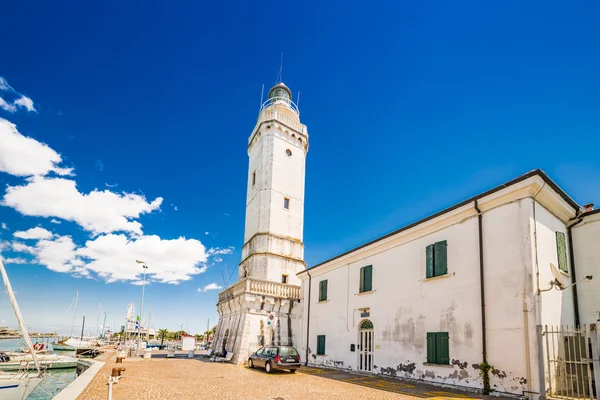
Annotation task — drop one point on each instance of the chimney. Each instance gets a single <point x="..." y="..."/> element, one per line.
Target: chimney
<point x="588" y="207"/>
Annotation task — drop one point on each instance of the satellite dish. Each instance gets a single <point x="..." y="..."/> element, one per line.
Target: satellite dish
<point x="558" y="278"/>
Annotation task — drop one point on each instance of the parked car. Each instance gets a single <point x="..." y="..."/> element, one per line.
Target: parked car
<point x="275" y="357"/>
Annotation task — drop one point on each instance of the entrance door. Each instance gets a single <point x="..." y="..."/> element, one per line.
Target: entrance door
<point x="365" y="346"/>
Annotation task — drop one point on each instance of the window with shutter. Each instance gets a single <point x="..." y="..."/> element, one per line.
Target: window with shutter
<point x="321" y="345"/>
<point x="429" y="261"/>
<point x="440" y="264"/>
<point x="323" y="290"/>
<point x="438" y="348"/>
<point x="436" y="259"/>
<point x="366" y="279"/>
<point x="442" y="348"/>
<point x="561" y="250"/>
<point x="431" y="348"/>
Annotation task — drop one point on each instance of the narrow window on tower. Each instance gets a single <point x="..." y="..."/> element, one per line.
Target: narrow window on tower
<point x="284" y="278"/>
<point x="286" y="203"/>
<point x="253" y="178"/>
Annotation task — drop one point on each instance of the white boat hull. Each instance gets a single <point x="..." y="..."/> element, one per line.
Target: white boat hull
<point x="17" y="389"/>
<point x="44" y="364"/>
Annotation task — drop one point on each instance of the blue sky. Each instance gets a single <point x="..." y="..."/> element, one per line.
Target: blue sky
<point x="410" y="109"/>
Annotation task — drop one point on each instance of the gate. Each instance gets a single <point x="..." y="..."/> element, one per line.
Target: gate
<point x="572" y="362"/>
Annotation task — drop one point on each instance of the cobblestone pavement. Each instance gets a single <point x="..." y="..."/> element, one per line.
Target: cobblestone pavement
<point x="182" y="379"/>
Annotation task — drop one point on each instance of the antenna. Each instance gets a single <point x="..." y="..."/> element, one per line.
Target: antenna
<point x="298" y="100"/>
<point x="281" y="68"/>
<point x="262" y="92"/>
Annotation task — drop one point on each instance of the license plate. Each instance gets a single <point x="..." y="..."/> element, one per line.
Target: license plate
<point x="290" y="360"/>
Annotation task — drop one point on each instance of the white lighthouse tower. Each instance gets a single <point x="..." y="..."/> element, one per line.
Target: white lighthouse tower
<point x="261" y="307"/>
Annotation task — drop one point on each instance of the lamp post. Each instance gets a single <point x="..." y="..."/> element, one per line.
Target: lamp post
<point x="145" y="267"/>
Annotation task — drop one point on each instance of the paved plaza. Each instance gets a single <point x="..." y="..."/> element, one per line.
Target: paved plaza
<point x="182" y="379"/>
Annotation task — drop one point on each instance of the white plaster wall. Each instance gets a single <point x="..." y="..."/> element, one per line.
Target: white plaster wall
<point x="404" y="306"/>
<point x="586" y="249"/>
<point x="555" y="307"/>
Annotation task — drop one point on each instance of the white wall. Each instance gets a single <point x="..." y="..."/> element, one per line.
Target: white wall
<point x="586" y="248"/>
<point x="556" y="307"/>
<point x="404" y="306"/>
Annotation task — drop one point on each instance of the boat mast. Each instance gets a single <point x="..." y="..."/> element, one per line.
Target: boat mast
<point x="15" y="306"/>
<point x="74" y="313"/>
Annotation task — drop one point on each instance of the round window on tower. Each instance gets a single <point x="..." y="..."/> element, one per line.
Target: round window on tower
<point x="288" y="153"/>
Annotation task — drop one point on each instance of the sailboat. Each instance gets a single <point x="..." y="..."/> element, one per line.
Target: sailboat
<point x="18" y="386"/>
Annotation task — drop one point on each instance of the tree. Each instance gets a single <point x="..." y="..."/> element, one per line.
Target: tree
<point x="162" y="333"/>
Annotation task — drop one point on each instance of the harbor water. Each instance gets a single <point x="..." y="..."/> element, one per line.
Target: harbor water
<point x="55" y="379"/>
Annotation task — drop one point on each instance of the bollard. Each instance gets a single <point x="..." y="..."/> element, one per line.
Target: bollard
<point x="116" y="372"/>
<point x="119" y="360"/>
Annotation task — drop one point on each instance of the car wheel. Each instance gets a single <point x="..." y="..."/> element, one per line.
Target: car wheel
<point x="293" y="371"/>
<point x="250" y="363"/>
<point x="268" y="367"/>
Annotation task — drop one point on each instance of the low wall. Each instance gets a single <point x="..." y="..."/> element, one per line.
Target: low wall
<point x="75" y="388"/>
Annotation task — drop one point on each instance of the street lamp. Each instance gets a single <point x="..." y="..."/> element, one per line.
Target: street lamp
<point x="145" y="267"/>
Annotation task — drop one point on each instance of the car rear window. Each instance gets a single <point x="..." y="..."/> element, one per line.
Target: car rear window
<point x="287" y="351"/>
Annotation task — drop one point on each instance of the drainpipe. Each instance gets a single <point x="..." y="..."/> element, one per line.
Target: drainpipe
<point x="573" y="271"/>
<point x="485" y="367"/>
<point x="308" y="319"/>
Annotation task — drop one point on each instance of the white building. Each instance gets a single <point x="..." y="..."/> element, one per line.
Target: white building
<point x="461" y="295"/>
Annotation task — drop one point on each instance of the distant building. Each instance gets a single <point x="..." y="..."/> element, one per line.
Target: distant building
<point x="487" y="282"/>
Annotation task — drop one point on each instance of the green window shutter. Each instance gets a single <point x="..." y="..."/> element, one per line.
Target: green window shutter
<point x="368" y="276"/>
<point x="429" y="261"/>
<point x="321" y="344"/>
<point x="441" y="259"/>
<point x="442" y="347"/>
<point x="323" y="290"/>
<point x="561" y="250"/>
<point x="431" y="359"/>
<point x="362" y="280"/>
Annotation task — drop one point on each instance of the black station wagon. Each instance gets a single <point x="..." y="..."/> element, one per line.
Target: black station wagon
<point x="275" y="357"/>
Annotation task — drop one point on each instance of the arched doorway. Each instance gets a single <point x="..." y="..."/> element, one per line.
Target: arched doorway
<point x="365" y="346"/>
<point x="224" y="346"/>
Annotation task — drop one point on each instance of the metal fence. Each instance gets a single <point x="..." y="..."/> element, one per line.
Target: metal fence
<point x="572" y="360"/>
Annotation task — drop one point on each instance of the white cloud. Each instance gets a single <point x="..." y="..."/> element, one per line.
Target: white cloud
<point x="55" y="221"/>
<point x="22" y="101"/>
<point x="6" y="106"/>
<point x="217" y="259"/>
<point x="97" y="211"/>
<point x="14" y="261"/>
<point x="24" y="156"/>
<point x="207" y="233"/>
<point x="211" y="286"/>
<point x="108" y="185"/>
<point x="4" y="85"/>
<point x="4" y="226"/>
<point x="57" y="255"/>
<point x="203" y="269"/>
<point x="34" y="233"/>
<point x="22" y="248"/>
<point x="26" y="103"/>
<point x="214" y="251"/>
<point x="99" y="165"/>
<point x="112" y="257"/>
